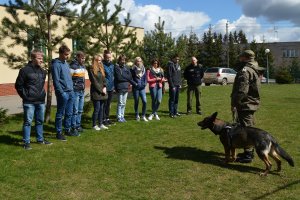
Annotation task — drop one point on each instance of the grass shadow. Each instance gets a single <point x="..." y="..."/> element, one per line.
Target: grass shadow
<point x="277" y="190"/>
<point x="206" y="157"/>
<point x="8" y="140"/>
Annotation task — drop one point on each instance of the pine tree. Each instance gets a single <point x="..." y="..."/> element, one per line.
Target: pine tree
<point x="158" y="44"/>
<point x="37" y="35"/>
<point x="100" y="29"/>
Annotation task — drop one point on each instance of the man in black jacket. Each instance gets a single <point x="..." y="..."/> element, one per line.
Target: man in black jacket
<point x="174" y="80"/>
<point x="30" y="87"/>
<point x="194" y="74"/>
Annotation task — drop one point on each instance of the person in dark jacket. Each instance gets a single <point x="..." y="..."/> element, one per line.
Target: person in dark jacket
<point x="77" y="70"/>
<point x="194" y="74"/>
<point x="98" y="92"/>
<point x="123" y="78"/>
<point x="139" y="76"/>
<point x="30" y="87"/>
<point x="174" y="80"/>
<point x="245" y="98"/>
<point x="63" y="86"/>
<point x="110" y="86"/>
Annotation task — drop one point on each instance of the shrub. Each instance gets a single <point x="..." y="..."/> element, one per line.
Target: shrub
<point x="3" y="115"/>
<point x="283" y="77"/>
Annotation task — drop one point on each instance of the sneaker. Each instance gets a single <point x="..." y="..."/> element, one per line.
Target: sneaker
<point x="110" y="122"/>
<point x="44" y="142"/>
<point x="172" y="116"/>
<point x="102" y="127"/>
<point x="106" y="123"/>
<point x="157" y="117"/>
<point x="189" y="112"/>
<point x="144" y="119"/>
<point x="27" y="146"/>
<point x="72" y="132"/>
<point x="178" y="114"/>
<point x="61" y="137"/>
<point x="79" y="129"/>
<point x="150" y="117"/>
<point x="96" y="128"/>
<point x="138" y="118"/>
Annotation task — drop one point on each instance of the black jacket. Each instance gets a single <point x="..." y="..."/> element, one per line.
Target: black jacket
<point x="194" y="74"/>
<point x="123" y="77"/>
<point x="174" y="74"/>
<point x="30" y="84"/>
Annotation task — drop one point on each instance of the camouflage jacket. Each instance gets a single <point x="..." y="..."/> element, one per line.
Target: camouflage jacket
<point x="245" y="90"/>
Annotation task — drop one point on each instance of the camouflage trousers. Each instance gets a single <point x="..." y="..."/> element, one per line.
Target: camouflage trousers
<point x="244" y="118"/>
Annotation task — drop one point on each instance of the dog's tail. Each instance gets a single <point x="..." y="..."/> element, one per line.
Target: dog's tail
<point x="283" y="153"/>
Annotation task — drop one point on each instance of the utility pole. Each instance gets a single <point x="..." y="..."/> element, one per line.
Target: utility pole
<point x="227" y="44"/>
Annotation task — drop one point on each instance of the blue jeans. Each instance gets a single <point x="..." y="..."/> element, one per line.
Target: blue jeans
<point x="173" y="100"/>
<point x="38" y="111"/>
<point x="98" y="112"/>
<point x="136" y="95"/>
<point x="77" y="109"/>
<point x="107" y="105"/>
<point x="64" y="110"/>
<point x="156" y="96"/>
<point x="122" y="98"/>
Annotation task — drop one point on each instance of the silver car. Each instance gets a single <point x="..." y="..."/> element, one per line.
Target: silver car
<point x="219" y="75"/>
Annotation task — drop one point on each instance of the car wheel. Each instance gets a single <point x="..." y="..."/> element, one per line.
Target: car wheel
<point x="207" y="84"/>
<point x="224" y="81"/>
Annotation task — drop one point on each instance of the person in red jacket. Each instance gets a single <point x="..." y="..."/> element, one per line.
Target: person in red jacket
<point x="155" y="78"/>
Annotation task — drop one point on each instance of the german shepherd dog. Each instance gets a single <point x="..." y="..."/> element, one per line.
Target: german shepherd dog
<point x="234" y="136"/>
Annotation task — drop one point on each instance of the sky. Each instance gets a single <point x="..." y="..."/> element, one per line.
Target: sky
<point x="261" y="20"/>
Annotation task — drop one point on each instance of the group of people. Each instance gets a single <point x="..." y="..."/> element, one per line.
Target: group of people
<point x="106" y="78"/>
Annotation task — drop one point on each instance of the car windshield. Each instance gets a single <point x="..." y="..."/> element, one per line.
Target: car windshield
<point x="212" y="70"/>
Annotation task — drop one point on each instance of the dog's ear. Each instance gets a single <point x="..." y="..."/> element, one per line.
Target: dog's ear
<point x="214" y="116"/>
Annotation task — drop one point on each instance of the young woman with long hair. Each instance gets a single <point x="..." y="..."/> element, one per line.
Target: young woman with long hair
<point x="98" y="91"/>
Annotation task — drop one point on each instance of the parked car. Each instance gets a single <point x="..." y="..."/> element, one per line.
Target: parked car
<point x="219" y="75"/>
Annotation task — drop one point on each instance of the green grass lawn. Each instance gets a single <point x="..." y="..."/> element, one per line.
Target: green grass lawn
<point x="167" y="159"/>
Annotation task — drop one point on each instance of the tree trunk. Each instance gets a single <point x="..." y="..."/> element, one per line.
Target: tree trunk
<point x="49" y="86"/>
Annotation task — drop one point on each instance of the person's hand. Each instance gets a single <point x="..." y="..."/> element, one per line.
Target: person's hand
<point x="104" y="90"/>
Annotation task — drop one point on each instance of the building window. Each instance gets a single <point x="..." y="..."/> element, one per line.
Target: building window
<point x="290" y="53"/>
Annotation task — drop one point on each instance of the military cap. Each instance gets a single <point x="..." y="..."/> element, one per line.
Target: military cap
<point x="248" y="53"/>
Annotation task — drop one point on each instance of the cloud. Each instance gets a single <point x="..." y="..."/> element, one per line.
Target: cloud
<point x="176" y="21"/>
<point x="182" y="22"/>
<point x="272" y="10"/>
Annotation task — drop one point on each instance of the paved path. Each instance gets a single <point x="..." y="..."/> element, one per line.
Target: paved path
<point x="14" y="103"/>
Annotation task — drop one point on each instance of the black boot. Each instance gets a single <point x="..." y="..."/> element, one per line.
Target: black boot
<point x="246" y="156"/>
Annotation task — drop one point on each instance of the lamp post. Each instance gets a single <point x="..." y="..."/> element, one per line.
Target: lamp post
<point x="267" y="51"/>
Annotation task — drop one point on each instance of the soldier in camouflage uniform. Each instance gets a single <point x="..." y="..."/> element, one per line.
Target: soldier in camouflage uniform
<point x="245" y="97"/>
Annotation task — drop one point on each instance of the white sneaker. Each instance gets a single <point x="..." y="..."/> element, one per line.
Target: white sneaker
<point x="137" y="118"/>
<point x="144" y="119"/>
<point x="102" y="127"/>
<point x="157" y="117"/>
<point x="96" y="128"/>
<point x="150" y="117"/>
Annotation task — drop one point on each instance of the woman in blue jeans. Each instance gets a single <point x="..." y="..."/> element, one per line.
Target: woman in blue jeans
<point x="122" y="79"/>
<point x="155" y="78"/>
<point x="139" y="76"/>
<point x="98" y="92"/>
